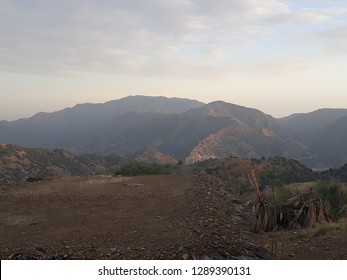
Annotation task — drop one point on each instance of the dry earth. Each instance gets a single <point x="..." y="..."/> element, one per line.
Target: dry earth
<point x="150" y="217"/>
<point x="293" y="245"/>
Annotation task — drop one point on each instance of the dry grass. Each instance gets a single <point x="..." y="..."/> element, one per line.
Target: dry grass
<point x="69" y="185"/>
<point x="323" y="228"/>
<point x="301" y="187"/>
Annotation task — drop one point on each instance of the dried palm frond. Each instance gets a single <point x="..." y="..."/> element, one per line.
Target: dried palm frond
<point x="299" y="211"/>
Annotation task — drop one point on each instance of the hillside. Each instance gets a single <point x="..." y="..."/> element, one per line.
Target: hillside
<point x="233" y="171"/>
<point x="17" y="164"/>
<point x="300" y="124"/>
<point x="329" y="142"/>
<point x="243" y="141"/>
<point x="248" y="116"/>
<point x="338" y="173"/>
<point x="324" y="131"/>
<point x="150" y="155"/>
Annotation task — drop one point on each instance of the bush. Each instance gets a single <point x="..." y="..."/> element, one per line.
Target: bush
<point x="141" y="168"/>
<point x="334" y="196"/>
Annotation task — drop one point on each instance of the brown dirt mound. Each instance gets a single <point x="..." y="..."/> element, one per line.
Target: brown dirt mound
<point x="150" y="217"/>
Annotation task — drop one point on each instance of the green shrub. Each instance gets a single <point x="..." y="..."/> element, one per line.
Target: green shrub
<point x="334" y="196"/>
<point x="141" y="168"/>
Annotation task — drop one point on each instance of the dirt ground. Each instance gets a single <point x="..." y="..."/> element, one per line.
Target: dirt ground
<point x="150" y="217"/>
<point x="293" y="245"/>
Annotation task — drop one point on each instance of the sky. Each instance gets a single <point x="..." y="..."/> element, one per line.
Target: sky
<point x="281" y="57"/>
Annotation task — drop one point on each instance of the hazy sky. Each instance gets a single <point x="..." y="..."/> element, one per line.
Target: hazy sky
<point x="278" y="56"/>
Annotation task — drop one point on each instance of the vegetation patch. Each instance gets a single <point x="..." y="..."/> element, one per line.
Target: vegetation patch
<point x="334" y="196"/>
<point x="277" y="207"/>
<point x="140" y="168"/>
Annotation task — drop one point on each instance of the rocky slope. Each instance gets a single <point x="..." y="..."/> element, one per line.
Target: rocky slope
<point x="245" y="141"/>
<point x="17" y="164"/>
<point x="150" y="155"/>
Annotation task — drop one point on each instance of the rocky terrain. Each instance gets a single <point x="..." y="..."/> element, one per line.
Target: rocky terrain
<point x="150" y="155"/>
<point x="246" y="141"/>
<point x="17" y="164"/>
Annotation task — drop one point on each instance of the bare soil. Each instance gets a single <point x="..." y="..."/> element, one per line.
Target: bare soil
<point x="293" y="245"/>
<point x="150" y="217"/>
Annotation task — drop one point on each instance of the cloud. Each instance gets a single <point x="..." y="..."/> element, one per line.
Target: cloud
<point x="152" y="37"/>
<point x="334" y="40"/>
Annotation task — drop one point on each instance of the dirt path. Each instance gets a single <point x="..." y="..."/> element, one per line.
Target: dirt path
<point x="152" y="217"/>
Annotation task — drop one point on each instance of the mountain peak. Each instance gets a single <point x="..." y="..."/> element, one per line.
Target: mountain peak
<point x="235" y="112"/>
<point x="159" y="104"/>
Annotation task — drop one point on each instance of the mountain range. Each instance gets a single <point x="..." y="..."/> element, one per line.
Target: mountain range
<point x="186" y="130"/>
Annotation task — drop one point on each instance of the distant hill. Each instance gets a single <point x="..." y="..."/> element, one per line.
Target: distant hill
<point x="184" y="129"/>
<point x="241" y="114"/>
<point x="250" y="133"/>
<point x="324" y="131"/>
<point x="302" y="123"/>
<point x="335" y="173"/>
<point x="245" y="141"/>
<point x="150" y="155"/>
<point x="17" y="164"/>
<point x="329" y="142"/>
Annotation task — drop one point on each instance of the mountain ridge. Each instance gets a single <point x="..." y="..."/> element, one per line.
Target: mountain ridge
<point x="177" y="127"/>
